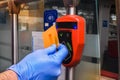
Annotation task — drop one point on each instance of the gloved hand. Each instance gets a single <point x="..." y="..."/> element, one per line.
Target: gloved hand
<point x="44" y="64"/>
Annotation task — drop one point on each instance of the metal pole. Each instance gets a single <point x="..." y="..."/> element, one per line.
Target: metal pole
<point x="14" y="9"/>
<point x="70" y="71"/>
<point x="70" y="74"/>
<point x="71" y="10"/>
<point x="15" y="38"/>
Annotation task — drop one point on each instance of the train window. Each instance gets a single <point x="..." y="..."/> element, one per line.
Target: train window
<point x="88" y="9"/>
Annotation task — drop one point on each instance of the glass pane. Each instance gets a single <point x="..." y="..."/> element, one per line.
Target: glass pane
<point x="89" y="67"/>
<point x="5" y="39"/>
<point x="30" y="19"/>
<point x="57" y="5"/>
<point x="87" y="9"/>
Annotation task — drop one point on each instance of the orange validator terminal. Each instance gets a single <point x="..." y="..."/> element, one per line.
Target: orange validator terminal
<point x="71" y="32"/>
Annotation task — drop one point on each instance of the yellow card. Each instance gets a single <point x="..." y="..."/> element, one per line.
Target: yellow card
<point x="50" y="37"/>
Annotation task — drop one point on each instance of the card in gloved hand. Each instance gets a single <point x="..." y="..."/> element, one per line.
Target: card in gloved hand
<point x="50" y="37"/>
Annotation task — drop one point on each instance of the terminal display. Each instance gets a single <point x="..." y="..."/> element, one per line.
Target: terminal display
<point x="68" y="25"/>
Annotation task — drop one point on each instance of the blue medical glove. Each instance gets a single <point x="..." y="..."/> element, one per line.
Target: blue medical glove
<point x="44" y="64"/>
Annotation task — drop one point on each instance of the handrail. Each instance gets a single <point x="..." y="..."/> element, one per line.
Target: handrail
<point x="25" y="1"/>
<point x="5" y="2"/>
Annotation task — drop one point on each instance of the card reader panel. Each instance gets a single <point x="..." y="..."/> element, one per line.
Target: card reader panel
<point x="71" y="31"/>
<point x="66" y="39"/>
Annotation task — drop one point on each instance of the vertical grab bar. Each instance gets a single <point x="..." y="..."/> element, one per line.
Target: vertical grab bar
<point x="15" y="49"/>
<point x="70" y="6"/>
<point x="70" y="73"/>
<point x="14" y="10"/>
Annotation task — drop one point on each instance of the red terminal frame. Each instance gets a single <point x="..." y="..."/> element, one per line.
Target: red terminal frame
<point x="78" y="37"/>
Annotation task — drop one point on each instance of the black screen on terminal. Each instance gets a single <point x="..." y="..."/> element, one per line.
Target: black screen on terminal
<point x="67" y="25"/>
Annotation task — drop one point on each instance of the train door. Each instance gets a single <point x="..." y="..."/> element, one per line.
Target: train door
<point x="108" y="38"/>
